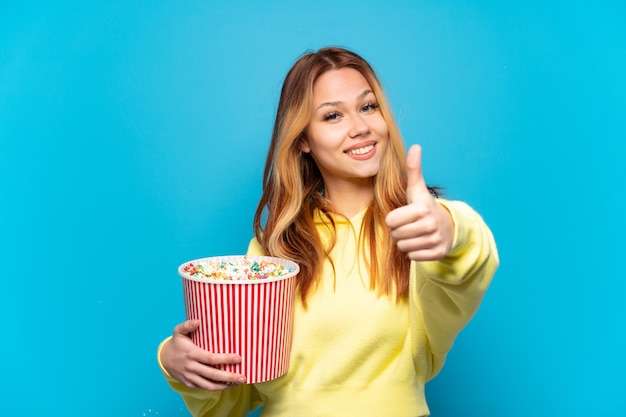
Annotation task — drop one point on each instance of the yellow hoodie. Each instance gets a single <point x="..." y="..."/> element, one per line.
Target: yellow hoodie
<point x="355" y="353"/>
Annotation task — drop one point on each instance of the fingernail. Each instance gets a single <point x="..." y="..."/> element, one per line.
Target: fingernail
<point x="241" y="380"/>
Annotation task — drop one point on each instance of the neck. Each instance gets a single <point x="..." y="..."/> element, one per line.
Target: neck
<point x="350" y="199"/>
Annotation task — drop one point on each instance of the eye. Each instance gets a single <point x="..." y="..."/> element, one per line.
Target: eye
<point x="332" y="116"/>
<point x="369" y="107"/>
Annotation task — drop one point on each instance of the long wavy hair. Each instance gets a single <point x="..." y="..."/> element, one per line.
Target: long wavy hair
<point x="284" y="222"/>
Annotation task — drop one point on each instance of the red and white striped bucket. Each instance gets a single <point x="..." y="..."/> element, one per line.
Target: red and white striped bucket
<point x="253" y="318"/>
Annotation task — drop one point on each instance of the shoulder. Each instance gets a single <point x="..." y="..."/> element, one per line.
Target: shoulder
<point x="254" y="248"/>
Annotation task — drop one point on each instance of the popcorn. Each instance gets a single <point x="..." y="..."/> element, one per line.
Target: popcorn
<point x="238" y="270"/>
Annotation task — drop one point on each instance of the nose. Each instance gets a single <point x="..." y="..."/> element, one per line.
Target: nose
<point x="359" y="127"/>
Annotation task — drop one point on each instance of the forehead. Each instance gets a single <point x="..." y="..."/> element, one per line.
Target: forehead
<point x="339" y="85"/>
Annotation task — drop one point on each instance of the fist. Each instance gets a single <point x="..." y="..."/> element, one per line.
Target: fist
<point x="423" y="229"/>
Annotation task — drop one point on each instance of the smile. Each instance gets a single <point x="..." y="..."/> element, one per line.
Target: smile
<point x="360" y="151"/>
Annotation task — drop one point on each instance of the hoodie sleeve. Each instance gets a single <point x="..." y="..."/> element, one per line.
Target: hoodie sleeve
<point x="445" y="294"/>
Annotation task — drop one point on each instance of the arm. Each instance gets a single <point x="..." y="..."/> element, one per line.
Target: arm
<point x="445" y="294"/>
<point x="455" y="258"/>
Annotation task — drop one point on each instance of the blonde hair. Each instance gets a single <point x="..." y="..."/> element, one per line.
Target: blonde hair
<point x="293" y="185"/>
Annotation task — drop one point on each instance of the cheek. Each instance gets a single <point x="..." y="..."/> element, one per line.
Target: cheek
<point x="382" y="130"/>
<point x="323" y="138"/>
<point x="380" y="125"/>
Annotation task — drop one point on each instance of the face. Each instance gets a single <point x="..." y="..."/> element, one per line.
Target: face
<point x="347" y="135"/>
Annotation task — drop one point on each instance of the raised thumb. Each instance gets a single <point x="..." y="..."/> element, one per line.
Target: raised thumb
<point x="415" y="179"/>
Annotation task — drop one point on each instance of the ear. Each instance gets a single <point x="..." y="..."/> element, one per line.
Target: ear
<point x="304" y="145"/>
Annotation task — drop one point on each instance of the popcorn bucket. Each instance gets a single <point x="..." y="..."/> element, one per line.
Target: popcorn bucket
<point x="249" y="317"/>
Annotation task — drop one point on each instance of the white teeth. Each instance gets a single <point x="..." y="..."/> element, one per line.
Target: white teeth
<point x="360" y="151"/>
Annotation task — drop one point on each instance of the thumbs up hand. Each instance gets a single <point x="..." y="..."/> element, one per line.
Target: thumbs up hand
<point x="423" y="229"/>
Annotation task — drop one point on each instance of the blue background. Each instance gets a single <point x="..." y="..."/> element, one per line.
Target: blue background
<point x="133" y="137"/>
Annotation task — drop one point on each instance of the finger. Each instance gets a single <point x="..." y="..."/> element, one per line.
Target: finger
<point x="415" y="178"/>
<point x="220" y="376"/>
<point x="401" y="216"/>
<point x="426" y="255"/>
<point x="409" y="230"/>
<point x="201" y="382"/>
<point x="187" y="327"/>
<point x="214" y="359"/>
<point x="209" y="378"/>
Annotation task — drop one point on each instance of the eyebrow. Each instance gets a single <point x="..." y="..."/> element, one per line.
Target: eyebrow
<point x="336" y="103"/>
